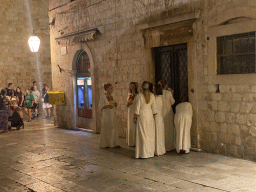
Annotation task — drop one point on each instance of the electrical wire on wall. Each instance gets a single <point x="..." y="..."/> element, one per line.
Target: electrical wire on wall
<point x="116" y="33"/>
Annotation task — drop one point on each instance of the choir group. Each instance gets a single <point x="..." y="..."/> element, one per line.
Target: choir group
<point x="152" y="127"/>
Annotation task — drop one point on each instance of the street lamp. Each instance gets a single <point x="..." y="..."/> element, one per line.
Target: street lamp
<point x="34" y="41"/>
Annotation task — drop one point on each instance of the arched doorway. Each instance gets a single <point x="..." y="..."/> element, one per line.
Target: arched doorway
<point x="84" y="86"/>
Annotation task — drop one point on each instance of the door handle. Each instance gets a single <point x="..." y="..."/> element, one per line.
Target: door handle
<point x="192" y="90"/>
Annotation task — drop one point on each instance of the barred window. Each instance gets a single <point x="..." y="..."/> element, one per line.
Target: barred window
<point x="236" y="54"/>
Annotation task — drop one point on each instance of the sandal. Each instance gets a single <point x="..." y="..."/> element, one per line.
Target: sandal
<point x="118" y="147"/>
<point x="29" y="120"/>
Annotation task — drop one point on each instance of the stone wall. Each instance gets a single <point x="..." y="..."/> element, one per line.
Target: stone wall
<point x="224" y="121"/>
<point x="119" y="54"/>
<point x="226" y="117"/>
<point x="17" y="64"/>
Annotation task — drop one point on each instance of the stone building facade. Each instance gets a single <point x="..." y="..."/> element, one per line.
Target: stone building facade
<point x="119" y="36"/>
<point x="18" y="65"/>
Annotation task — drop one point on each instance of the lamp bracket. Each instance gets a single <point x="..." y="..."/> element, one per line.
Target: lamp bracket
<point x="43" y="30"/>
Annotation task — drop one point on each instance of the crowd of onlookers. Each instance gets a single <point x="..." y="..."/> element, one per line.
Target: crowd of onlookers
<point x="13" y="102"/>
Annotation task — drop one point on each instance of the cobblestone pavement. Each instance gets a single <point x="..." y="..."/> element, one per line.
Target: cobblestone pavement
<point x="44" y="158"/>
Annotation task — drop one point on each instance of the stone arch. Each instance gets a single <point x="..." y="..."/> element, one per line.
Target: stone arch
<point x="236" y="20"/>
<point x="233" y="15"/>
<point x="75" y="51"/>
<point x="81" y="48"/>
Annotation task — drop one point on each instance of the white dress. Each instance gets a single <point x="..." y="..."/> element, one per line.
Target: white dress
<point x="131" y="126"/>
<point x="183" y="121"/>
<point x="168" y="116"/>
<point x="109" y="126"/>
<point x="160" y="136"/>
<point x="145" y="130"/>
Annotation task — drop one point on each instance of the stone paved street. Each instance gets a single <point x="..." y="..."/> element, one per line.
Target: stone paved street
<point x="44" y="158"/>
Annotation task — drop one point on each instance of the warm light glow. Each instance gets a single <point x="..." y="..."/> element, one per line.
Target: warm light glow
<point x="80" y="82"/>
<point x="34" y="43"/>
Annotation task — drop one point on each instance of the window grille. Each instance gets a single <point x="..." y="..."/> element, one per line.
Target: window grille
<point x="236" y="54"/>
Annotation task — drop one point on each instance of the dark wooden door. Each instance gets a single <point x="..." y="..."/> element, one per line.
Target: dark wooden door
<point x="171" y="64"/>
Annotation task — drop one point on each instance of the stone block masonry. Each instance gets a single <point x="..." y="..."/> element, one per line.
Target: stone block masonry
<point x="122" y="53"/>
<point x="17" y="64"/>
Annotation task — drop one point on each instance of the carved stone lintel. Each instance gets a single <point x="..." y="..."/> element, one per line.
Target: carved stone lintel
<point x="78" y="37"/>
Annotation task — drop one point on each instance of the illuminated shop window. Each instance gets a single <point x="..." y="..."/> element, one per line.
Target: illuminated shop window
<point x="236" y="53"/>
<point x="84" y="86"/>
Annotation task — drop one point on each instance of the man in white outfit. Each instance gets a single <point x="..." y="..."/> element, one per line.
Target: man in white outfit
<point x="183" y="121"/>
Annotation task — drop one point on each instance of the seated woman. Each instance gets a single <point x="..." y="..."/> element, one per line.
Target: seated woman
<point x="17" y="117"/>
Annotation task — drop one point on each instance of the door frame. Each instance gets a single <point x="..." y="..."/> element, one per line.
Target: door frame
<point x="175" y="85"/>
<point x="192" y="61"/>
<point x="90" y="122"/>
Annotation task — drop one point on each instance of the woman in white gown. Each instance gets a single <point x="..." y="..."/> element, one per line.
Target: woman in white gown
<point x="183" y="121"/>
<point x="109" y="128"/>
<point x="160" y="136"/>
<point x="145" y="130"/>
<point x="131" y="127"/>
<point x="168" y="116"/>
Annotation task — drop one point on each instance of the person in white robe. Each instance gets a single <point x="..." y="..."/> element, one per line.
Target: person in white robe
<point x="109" y="127"/>
<point x="159" y="121"/>
<point x="183" y="121"/>
<point x="168" y="116"/>
<point x="144" y="117"/>
<point x="131" y="126"/>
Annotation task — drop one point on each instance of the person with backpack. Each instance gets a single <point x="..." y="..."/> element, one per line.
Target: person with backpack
<point x="4" y="103"/>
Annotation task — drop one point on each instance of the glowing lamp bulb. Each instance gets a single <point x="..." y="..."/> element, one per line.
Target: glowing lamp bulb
<point x="34" y="43"/>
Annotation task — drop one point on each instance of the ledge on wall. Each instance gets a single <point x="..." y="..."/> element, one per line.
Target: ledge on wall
<point x="190" y="16"/>
<point x="81" y="36"/>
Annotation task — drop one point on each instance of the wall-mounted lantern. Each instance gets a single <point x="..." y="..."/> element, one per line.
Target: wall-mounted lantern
<point x="34" y="41"/>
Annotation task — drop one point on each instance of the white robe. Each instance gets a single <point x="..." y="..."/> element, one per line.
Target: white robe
<point x="109" y="126"/>
<point x="183" y="121"/>
<point x="131" y="126"/>
<point x="160" y="136"/>
<point x="168" y="116"/>
<point x="145" y="130"/>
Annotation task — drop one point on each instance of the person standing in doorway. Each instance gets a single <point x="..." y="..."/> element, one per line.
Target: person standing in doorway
<point x="144" y="118"/>
<point x="28" y="103"/>
<point x="36" y="95"/>
<point x="131" y="127"/>
<point x="159" y="121"/>
<point x="109" y="128"/>
<point x="168" y="116"/>
<point x="183" y="121"/>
